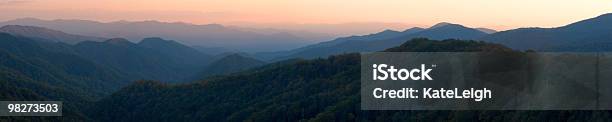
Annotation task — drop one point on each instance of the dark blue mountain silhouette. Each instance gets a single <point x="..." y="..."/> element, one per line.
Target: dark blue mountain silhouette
<point x="376" y="42"/>
<point x="587" y="35"/>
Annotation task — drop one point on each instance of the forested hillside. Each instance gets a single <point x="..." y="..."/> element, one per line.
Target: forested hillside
<point x="228" y="64"/>
<point x="319" y="89"/>
<point x="152" y="58"/>
<point x="29" y="71"/>
<point x="32" y="69"/>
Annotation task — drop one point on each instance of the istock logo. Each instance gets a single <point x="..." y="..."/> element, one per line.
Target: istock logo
<point x="384" y="72"/>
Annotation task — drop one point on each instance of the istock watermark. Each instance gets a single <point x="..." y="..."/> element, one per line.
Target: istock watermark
<point x="485" y="81"/>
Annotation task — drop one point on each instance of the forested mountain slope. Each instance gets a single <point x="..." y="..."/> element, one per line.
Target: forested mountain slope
<point x="318" y="90"/>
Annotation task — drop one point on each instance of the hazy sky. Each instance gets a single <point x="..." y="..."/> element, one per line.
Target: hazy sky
<point x="497" y="14"/>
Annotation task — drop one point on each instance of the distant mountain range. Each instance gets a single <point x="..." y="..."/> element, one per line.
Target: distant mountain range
<point x="333" y="29"/>
<point x="593" y="34"/>
<point x="211" y="35"/>
<point x="91" y="74"/>
<point x="151" y="58"/>
<point x="587" y="35"/>
<point x="376" y="42"/>
<point x="214" y="50"/>
<point x="45" y="34"/>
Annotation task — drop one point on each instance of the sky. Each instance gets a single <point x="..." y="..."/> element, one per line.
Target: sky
<point x="495" y="14"/>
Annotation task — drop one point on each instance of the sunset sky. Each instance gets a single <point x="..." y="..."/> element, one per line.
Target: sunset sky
<point x="496" y="14"/>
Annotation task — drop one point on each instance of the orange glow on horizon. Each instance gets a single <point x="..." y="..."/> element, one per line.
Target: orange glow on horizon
<point x="496" y="14"/>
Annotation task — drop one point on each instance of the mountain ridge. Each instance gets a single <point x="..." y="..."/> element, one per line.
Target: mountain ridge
<point x="211" y="35"/>
<point x="584" y="32"/>
<point x="231" y="63"/>
<point x="375" y="42"/>
<point x="46" y="34"/>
